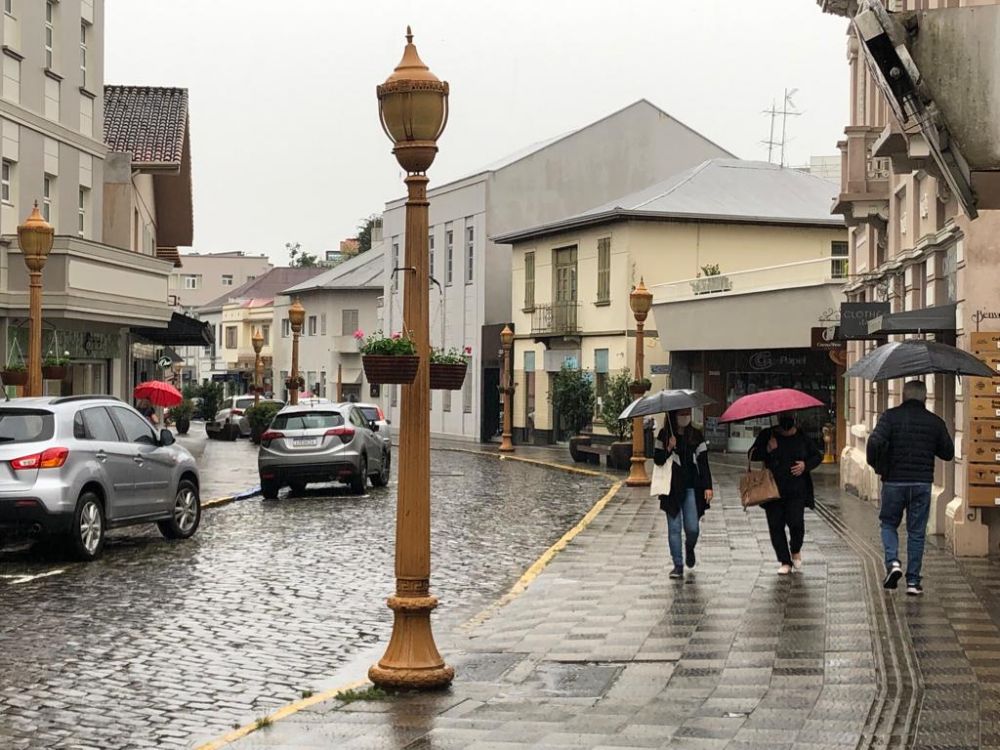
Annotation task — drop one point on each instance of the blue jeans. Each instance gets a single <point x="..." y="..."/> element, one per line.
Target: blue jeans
<point x="915" y="499"/>
<point x="688" y="518"/>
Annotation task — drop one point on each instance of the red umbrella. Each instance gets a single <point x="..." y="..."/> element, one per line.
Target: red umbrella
<point x="159" y="393"/>
<point x="765" y="403"/>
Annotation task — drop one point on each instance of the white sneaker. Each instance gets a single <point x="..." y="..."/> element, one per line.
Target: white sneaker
<point x="797" y="562"/>
<point x="784" y="570"/>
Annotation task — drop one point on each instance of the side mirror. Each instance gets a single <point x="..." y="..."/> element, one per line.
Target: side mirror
<point x="167" y="437"/>
<point x="373" y="425"/>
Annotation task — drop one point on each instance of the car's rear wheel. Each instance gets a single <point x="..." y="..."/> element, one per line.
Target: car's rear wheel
<point x="359" y="481"/>
<point x="382" y="478"/>
<point x="185" y="515"/>
<point x="86" y="535"/>
<point x="269" y="489"/>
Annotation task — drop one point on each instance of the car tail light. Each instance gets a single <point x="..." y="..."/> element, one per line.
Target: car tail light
<point x="237" y="412"/>
<point x="270" y="435"/>
<point x="50" y="458"/>
<point x="381" y="414"/>
<point x="346" y="434"/>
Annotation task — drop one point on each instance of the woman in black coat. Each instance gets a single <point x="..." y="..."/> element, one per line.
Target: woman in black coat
<point x="791" y="456"/>
<point x="690" y="485"/>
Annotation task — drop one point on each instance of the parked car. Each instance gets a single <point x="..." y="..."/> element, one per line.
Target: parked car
<point x="374" y="413"/>
<point x="77" y="466"/>
<point x="322" y="443"/>
<point x="230" y="421"/>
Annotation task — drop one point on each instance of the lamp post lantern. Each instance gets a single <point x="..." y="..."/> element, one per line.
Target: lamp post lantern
<point x="296" y="317"/>
<point x="258" y="344"/>
<point x="35" y="237"/>
<point x="640" y="300"/>
<point x="413" y="108"/>
<point x="507" y="389"/>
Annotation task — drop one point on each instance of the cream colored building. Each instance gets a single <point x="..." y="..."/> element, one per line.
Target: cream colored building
<point x="920" y="189"/>
<point x="204" y="277"/>
<point x="572" y="278"/>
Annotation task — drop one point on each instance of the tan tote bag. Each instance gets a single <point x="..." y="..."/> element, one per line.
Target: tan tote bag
<point x="757" y="486"/>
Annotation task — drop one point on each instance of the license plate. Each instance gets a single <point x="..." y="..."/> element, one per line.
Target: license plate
<point x="305" y="442"/>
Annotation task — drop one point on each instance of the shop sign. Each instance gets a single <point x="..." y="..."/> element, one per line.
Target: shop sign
<point x="79" y="344"/>
<point x="765" y="359"/>
<point x="855" y="316"/>
<point x="659" y="369"/>
<point x="164" y="362"/>
<point x="827" y="338"/>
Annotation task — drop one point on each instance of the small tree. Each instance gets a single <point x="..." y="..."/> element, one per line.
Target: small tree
<point x="365" y="232"/>
<point x="299" y="258"/>
<point x="572" y="394"/>
<point x="614" y="402"/>
<point x="211" y="395"/>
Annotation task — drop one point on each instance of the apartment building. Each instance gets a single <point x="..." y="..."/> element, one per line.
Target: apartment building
<point x="204" y="277"/>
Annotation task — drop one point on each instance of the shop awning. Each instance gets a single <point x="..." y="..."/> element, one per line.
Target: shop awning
<point x="925" y="320"/>
<point x="182" y="330"/>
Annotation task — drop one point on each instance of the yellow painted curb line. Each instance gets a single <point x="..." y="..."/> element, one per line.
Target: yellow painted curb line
<point x="542" y="562"/>
<point x="534" y="461"/>
<point x="281" y="713"/>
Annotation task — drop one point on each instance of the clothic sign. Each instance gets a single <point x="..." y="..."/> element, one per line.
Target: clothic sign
<point x="855" y="316"/>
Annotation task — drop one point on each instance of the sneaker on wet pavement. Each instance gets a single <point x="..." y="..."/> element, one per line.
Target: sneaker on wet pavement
<point x="797" y="561"/>
<point x="677" y="572"/>
<point x="914" y="589"/>
<point x="893" y="575"/>
<point x="784" y="570"/>
<point x="689" y="557"/>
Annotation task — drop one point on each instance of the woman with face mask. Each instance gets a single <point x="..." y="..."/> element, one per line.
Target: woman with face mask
<point x="791" y="456"/>
<point x="690" y="485"/>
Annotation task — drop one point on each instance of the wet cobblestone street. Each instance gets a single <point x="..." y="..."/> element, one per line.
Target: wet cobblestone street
<point x="161" y="644"/>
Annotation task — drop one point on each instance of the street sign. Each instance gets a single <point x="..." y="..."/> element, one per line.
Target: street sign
<point x="164" y="362"/>
<point x="659" y="369"/>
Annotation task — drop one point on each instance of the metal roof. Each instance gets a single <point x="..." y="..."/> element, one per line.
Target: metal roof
<point x="364" y="271"/>
<point x="730" y="190"/>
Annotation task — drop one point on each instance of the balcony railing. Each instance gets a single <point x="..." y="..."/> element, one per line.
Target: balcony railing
<point x="556" y="318"/>
<point x="788" y="275"/>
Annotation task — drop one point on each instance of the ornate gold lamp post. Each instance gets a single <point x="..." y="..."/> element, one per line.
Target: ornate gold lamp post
<point x="296" y="317"/>
<point x="507" y="389"/>
<point x="258" y="344"/>
<point x="413" y="107"/>
<point x="35" y="238"/>
<point x="640" y="300"/>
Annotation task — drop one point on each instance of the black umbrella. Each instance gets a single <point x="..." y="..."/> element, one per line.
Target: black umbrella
<point x="664" y="401"/>
<point x="902" y="359"/>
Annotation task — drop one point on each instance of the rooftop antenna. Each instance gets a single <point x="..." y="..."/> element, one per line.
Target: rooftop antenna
<point x="787" y="110"/>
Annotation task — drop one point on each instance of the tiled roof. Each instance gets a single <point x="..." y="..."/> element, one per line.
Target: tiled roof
<point x="148" y="122"/>
<point x="265" y="287"/>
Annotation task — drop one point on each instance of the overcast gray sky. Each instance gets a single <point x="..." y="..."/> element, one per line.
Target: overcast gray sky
<point x="285" y="136"/>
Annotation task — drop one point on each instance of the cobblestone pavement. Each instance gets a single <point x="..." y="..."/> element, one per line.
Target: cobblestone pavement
<point x="164" y="644"/>
<point x="603" y="650"/>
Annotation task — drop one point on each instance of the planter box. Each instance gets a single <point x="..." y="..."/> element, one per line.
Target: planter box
<point x="447" y="377"/>
<point x="382" y="369"/>
<point x="55" y="372"/>
<point x="15" y="377"/>
<point x="620" y="456"/>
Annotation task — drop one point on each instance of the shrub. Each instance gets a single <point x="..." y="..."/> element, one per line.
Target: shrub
<point x="183" y="410"/>
<point x="614" y="402"/>
<point x="260" y="418"/>
<point x="211" y="395"/>
<point x="572" y="394"/>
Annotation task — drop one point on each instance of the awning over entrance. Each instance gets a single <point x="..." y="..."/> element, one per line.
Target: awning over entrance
<point x="182" y="330"/>
<point x="925" y="320"/>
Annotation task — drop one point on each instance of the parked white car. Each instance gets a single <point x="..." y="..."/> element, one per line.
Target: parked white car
<point x="230" y="421"/>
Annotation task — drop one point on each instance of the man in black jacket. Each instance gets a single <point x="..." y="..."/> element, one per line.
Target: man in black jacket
<point x="902" y="449"/>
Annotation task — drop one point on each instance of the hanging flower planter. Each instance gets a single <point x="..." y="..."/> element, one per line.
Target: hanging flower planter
<point x="639" y="387"/>
<point x="447" y="377"/>
<point x="14" y="377"/>
<point x="386" y="369"/>
<point x="54" y="372"/>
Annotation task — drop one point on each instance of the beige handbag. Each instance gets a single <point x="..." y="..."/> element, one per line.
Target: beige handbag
<point x="757" y="486"/>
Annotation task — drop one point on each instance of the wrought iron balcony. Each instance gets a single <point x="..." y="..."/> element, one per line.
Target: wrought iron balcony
<point x="556" y="318"/>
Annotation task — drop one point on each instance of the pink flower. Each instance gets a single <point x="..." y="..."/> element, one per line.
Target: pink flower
<point x="359" y="334"/>
<point x="395" y="336"/>
<point x="468" y="350"/>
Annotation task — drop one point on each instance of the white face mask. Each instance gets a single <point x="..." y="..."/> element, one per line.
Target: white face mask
<point x="683" y="421"/>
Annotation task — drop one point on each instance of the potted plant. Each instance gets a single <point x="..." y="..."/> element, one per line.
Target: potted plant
<point x="54" y="367"/>
<point x="388" y="359"/>
<point x="572" y="395"/>
<point x="711" y="280"/>
<point x="260" y="418"/>
<point x="298" y="384"/>
<point x="618" y="396"/>
<point x="181" y="414"/>
<point x="15" y="374"/>
<point x="639" y="387"/>
<point x="448" y="368"/>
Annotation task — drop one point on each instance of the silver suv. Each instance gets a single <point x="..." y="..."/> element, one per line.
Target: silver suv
<point x="79" y="465"/>
<point x="322" y="443"/>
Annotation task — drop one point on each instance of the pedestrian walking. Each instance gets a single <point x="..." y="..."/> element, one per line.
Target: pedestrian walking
<point x="682" y="445"/>
<point x="146" y="408"/>
<point x="791" y="456"/>
<point x="902" y="449"/>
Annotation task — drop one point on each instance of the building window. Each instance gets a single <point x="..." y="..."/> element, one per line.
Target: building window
<point x="600" y="377"/>
<point x="286" y="328"/>
<point x="8" y="7"/>
<point x="86" y="115"/>
<point x="50" y="12"/>
<point x="393" y="395"/>
<point x="11" y="78"/>
<point x="604" y="271"/>
<point x="839" y="260"/>
<point x="83" y="203"/>
<point x="192" y="281"/>
<point x="449" y="256"/>
<point x="322" y="324"/>
<point x="312" y="325"/>
<point x="348" y="322"/>
<point x="529" y="281"/>
<point x="430" y="252"/>
<point x="446" y="399"/>
<point x="48" y="189"/>
<point x="52" y="96"/>
<point x="470" y="253"/>
<point x="230" y="337"/>
<point x="395" y="263"/>
<point x="467" y="394"/>
<point x="265" y="331"/>
<point x="227" y="279"/>
<point x="6" y="180"/>
<point x="83" y="54"/>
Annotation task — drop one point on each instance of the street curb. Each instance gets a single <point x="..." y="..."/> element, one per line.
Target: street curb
<point x="226" y="500"/>
<point x="535" y="462"/>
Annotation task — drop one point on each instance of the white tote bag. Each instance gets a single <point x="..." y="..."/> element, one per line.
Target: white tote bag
<point x="660" y="482"/>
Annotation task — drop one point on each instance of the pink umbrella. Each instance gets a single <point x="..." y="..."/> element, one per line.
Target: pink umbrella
<point x="159" y="393"/>
<point x="765" y="403"/>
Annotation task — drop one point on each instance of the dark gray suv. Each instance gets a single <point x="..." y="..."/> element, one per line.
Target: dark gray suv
<point x="79" y="465"/>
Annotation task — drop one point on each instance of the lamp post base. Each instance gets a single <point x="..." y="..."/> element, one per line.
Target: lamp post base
<point x="411" y="661"/>
<point x="637" y="476"/>
<point x="506" y="445"/>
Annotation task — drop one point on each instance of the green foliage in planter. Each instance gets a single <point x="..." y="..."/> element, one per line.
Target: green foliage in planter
<point x="183" y="410"/>
<point x="393" y="346"/>
<point x="711" y="270"/>
<point x="642" y="383"/>
<point x="15" y="367"/>
<point x="453" y="356"/>
<point x="614" y="402"/>
<point x="55" y="360"/>
<point x="211" y="395"/>
<point x="261" y="416"/>
<point x="572" y="394"/>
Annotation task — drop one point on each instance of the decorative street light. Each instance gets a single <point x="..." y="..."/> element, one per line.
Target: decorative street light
<point x="413" y="108"/>
<point x="296" y="317"/>
<point x="258" y="344"/>
<point x="640" y="300"/>
<point x="507" y="389"/>
<point x="35" y="237"/>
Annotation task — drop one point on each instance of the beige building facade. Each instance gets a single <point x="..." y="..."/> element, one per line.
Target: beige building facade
<point x="203" y="277"/>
